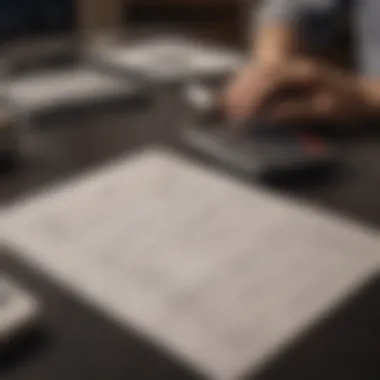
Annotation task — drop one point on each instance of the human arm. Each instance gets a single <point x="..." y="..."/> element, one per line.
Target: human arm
<point x="281" y="31"/>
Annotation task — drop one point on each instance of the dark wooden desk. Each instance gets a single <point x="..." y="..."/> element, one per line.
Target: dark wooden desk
<point x="81" y="344"/>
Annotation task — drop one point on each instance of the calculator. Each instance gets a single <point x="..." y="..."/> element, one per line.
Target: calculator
<point x="265" y="150"/>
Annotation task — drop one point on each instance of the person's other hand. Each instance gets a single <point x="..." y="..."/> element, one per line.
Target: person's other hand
<point x="328" y="94"/>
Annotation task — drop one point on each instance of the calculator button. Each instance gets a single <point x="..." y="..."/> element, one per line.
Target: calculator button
<point x="313" y="144"/>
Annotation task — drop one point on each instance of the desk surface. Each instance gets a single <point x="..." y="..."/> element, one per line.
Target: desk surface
<point x="81" y="344"/>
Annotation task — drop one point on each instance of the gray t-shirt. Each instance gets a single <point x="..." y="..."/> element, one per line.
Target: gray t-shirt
<point x="320" y="23"/>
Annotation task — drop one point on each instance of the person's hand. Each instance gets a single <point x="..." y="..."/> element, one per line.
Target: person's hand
<point x="326" y="94"/>
<point x="331" y="96"/>
<point x="244" y="91"/>
<point x="254" y="85"/>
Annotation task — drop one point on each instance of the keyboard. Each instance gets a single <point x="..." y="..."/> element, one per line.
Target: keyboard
<point x="69" y="88"/>
<point x="204" y="266"/>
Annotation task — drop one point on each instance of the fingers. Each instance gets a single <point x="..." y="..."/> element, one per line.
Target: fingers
<point x="283" y="84"/>
<point x="239" y="95"/>
<point x="320" y="107"/>
<point x="256" y="88"/>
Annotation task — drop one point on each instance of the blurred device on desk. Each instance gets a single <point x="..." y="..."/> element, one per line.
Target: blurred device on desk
<point x="19" y="312"/>
<point x="75" y="88"/>
<point x="264" y="150"/>
<point x="39" y="53"/>
<point x="167" y="59"/>
<point x="205" y="267"/>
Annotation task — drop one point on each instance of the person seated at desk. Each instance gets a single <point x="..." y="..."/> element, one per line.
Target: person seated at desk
<point x="289" y="34"/>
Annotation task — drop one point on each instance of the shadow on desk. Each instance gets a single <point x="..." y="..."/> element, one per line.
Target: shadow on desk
<point x="23" y="349"/>
<point x="345" y="345"/>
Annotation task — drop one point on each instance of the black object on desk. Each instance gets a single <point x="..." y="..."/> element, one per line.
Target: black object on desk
<point x="269" y="152"/>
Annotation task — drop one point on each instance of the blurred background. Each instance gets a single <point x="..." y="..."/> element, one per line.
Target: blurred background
<point x="21" y="18"/>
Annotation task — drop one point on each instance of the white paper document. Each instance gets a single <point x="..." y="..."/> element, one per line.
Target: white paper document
<point x="218" y="273"/>
<point x="170" y="59"/>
